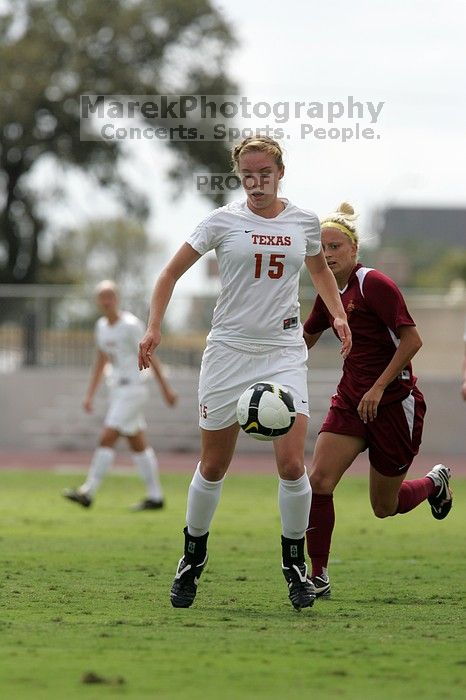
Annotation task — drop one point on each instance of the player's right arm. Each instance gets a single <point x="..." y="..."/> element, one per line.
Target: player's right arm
<point x="163" y="290"/>
<point x="96" y="377"/>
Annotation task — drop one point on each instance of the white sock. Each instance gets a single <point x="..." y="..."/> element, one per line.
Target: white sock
<point x="203" y="499"/>
<point x="102" y="460"/>
<point x="294" y="501"/>
<point x="148" y="468"/>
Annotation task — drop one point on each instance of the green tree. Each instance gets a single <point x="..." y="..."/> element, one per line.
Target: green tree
<point x="448" y="268"/>
<point x="118" y="249"/>
<point x="53" y="51"/>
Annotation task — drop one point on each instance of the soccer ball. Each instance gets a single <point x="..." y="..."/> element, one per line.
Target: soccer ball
<point x="265" y="411"/>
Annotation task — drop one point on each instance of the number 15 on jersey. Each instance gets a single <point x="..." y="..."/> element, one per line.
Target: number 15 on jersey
<point x="273" y="264"/>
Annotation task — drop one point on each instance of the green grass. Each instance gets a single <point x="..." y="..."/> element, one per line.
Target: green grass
<point x="88" y="591"/>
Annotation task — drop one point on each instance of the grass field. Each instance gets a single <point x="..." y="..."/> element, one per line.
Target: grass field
<point x="87" y="591"/>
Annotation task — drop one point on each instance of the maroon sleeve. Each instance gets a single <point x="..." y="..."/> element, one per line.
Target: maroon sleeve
<point x="385" y="299"/>
<point x="318" y="320"/>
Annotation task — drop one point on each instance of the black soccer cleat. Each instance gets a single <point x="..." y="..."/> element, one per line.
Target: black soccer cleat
<point x="77" y="497"/>
<point x="300" y="590"/>
<point x="442" y="501"/>
<point x="184" y="587"/>
<point x="321" y="585"/>
<point x="148" y="504"/>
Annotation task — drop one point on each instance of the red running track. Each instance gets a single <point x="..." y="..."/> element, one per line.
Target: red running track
<point x="183" y="462"/>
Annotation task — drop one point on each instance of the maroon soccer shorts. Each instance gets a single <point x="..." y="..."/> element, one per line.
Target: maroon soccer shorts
<point x="393" y="438"/>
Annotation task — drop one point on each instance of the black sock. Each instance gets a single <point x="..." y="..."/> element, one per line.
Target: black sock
<point x="195" y="548"/>
<point x="292" y="552"/>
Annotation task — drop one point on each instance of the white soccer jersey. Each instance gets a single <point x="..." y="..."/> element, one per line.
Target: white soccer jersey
<point x="120" y="342"/>
<point x="259" y="262"/>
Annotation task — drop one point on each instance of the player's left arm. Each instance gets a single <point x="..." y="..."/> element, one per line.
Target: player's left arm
<point x="326" y="286"/>
<point x="170" y="396"/>
<point x="410" y="343"/>
<point x="385" y="299"/>
<point x="311" y="339"/>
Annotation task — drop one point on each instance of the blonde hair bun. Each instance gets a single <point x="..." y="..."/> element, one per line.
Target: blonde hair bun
<point x="345" y="212"/>
<point x="344" y="216"/>
<point x="346" y="208"/>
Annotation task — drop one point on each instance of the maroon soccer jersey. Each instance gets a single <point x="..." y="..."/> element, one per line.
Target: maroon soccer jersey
<point x="376" y="310"/>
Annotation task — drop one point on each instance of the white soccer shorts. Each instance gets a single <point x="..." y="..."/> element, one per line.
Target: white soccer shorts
<point x="227" y="372"/>
<point x="126" y="410"/>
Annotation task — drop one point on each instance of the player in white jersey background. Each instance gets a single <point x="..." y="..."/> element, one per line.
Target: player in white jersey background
<point x="117" y="335"/>
<point x="261" y="245"/>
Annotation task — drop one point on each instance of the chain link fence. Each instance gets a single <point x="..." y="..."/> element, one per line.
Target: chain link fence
<point x="53" y="326"/>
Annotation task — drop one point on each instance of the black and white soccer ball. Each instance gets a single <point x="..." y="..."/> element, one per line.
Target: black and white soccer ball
<point x="265" y="410"/>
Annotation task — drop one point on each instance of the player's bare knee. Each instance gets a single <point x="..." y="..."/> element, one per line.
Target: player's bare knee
<point x="108" y="438"/>
<point x="290" y="469"/>
<point x="292" y="474"/>
<point x="213" y="471"/>
<point x="383" y="510"/>
<point x="321" y="482"/>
